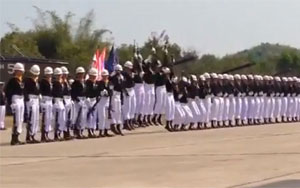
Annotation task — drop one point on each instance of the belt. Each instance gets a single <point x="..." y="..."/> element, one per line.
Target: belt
<point x="33" y="96"/>
<point x="81" y="98"/>
<point x="46" y="98"/>
<point x="67" y="97"/>
<point x="92" y="99"/>
<point x="58" y="99"/>
<point x="18" y="96"/>
<point x="117" y="93"/>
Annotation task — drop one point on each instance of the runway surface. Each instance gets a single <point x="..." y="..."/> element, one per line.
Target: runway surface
<point x="266" y="156"/>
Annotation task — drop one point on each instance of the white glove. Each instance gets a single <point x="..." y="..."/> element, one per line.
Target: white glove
<point x="113" y="73"/>
<point x="142" y="74"/>
<point x="180" y="95"/>
<point x="104" y="92"/>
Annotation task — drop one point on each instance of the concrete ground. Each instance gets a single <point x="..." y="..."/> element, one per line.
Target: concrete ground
<point x="256" y="156"/>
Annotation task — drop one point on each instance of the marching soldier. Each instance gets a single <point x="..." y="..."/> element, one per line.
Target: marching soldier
<point x="91" y="94"/>
<point x="192" y="90"/>
<point x="78" y="94"/>
<point x="46" y="104"/>
<point x="170" y="102"/>
<point x="68" y="103"/>
<point x="58" y="107"/>
<point x="129" y="98"/>
<point x="2" y="107"/>
<point x="104" y="105"/>
<point x="32" y="97"/>
<point x="117" y="81"/>
<point x="14" y="91"/>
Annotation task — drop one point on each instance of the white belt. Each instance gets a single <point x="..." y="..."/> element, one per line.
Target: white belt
<point x="33" y="96"/>
<point x="170" y="93"/>
<point x="67" y="97"/>
<point x="129" y="89"/>
<point x="18" y="97"/>
<point x="117" y="93"/>
<point x="81" y="98"/>
<point x="47" y="98"/>
<point x="92" y="99"/>
<point x="58" y="99"/>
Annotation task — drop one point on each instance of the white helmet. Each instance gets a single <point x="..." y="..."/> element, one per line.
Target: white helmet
<point x="80" y="70"/>
<point x="194" y="77"/>
<point x="202" y="78"/>
<point x="206" y="75"/>
<point x="35" y="70"/>
<point x="220" y="76"/>
<point x="118" y="68"/>
<point x="290" y="79"/>
<point x="93" y="72"/>
<point x="57" y="71"/>
<point x="244" y="77"/>
<point x="230" y="77"/>
<point x="19" y="67"/>
<point x="48" y="70"/>
<point x="237" y="77"/>
<point x="277" y="78"/>
<point x="295" y="78"/>
<point x="65" y="70"/>
<point x="104" y="72"/>
<point x="128" y="64"/>
<point x="214" y="75"/>
<point x="284" y="79"/>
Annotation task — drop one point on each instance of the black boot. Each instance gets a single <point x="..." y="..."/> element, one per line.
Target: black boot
<point x="154" y="119"/>
<point x="106" y="134"/>
<point x="159" y="120"/>
<point x="167" y="127"/>
<point x="114" y="129"/>
<point x="149" y="120"/>
<point x="119" y="130"/>
<point x="34" y="141"/>
<point x="15" y="140"/>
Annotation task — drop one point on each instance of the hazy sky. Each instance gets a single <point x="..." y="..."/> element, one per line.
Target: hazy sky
<point x="208" y="26"/>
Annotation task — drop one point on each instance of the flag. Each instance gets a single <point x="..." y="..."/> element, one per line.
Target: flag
<point x="112" y="60"/>
<point x="98" y="61"/>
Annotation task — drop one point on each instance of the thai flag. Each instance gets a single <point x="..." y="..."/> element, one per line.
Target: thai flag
<point x="98" y="61"/>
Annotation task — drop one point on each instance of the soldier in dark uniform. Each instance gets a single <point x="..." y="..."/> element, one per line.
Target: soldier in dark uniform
<point x="46" y="104"/>
<point x="2" y="107"/>
<point x="58" y="108"/>
<point x="78" y="94"/>
<point x="32" y="97"/>
<point x="14" y="91"/>
<point x="104" y="105"/>
<point x="91" y="94"/>
<point x="67" y="102"/>
<point x="117" y="81"/>
<point x="170" y="102"/>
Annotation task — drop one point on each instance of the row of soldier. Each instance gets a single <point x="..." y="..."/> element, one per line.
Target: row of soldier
<point x="141" y="95"/>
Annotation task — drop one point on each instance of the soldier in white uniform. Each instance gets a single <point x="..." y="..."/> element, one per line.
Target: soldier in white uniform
<point x="14" y="91"/>
<point x="2" y="107"/>
<point x="46" y="104"/>
<point x="32" y="99"/>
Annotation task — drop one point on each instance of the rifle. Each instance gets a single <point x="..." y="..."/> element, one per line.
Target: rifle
<point x="238" y="68"/>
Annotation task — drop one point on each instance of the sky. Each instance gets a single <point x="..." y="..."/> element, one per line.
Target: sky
<point x="217" y="27"/>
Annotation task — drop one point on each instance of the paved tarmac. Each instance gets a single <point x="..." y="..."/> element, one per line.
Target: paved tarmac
<point x="265" y="156"/>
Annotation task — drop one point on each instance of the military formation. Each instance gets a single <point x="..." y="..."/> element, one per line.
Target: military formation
<point x="141" y="93"/>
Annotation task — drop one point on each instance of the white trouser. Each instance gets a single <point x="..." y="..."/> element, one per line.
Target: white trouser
<point x="18" y="108"/>
<point x="245" y="108"/>
<point x="257" y="107"/>
<point x="238" y="107"/>
<point x="179" y="114"/>
<point x="226" y="108"/>
<point x="129" y="104"/>
<point x="208" y="108"/>
<point x="47" y="110"/>
<point x="203" y="112"/>
<point x="221" y="109"/>
<point x="277" y="109"/>
<point x="139" y="91"/>
<point x="188" y="114"/>
<point x="251" y="103"/>
<point x="272" y="107"/>
<point x="2" y="116"/>
<point x="69" y="109"/>
<point x="298" y="109"/>
<point x="215" y="108"/>
<point x="33" y="109"/>
<point x="232" y="108"/>
<point x="267" y="109"/>
<point x="60" y="114"/>
<point x="262" y="107"/>
<point x="92" y="113"/>
<point x="160" y="100"/>
<point x="170" y="107"/>
<point x="102" y="110"/>
<point x="80" y="113"/>
<point x="195" y="110"/>
<point x="284" y="106"/>
<point x="116" y="113"/>
<point x="149" y="99"/>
